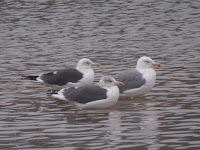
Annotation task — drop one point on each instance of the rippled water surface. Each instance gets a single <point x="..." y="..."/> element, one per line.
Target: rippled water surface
<point x="38" y="36"/>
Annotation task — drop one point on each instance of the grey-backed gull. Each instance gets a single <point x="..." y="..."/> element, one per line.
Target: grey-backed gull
<point x="140" y="80"/>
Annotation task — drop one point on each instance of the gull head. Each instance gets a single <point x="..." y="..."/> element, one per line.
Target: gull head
<point x="108" y="81"/>
<point x="86" y="64"/>
<point x="146" y="62"/>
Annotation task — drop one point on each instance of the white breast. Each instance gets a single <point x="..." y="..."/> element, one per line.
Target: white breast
<point x="88" y="77"/>
<point x="150" y="77"/>
<point x="113" y="95"/>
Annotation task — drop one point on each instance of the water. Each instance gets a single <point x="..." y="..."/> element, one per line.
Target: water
<point x="42" y="35"/>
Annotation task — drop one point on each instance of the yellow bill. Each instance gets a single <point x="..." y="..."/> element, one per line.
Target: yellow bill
<point x="157" y="65"/>
<point x="119" y="83"/>
<point x="96" y="64"/>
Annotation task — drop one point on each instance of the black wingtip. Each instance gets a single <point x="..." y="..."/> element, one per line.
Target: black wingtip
<point x="29" y="77"/>
<point x="52" y="92"/>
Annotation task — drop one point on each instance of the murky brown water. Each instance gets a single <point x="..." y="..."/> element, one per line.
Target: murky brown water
<point x="37" y="36"/>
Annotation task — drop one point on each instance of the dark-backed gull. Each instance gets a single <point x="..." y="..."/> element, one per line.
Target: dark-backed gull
<point x="83" y="74"/>
<point x="104" y="94"/>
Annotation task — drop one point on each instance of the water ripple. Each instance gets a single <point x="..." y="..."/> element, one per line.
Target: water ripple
<point x="40" y="36"/>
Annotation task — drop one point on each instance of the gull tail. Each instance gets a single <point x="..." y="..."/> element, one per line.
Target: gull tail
<point x="59" y="96"/>
<point x="30" y="77"/>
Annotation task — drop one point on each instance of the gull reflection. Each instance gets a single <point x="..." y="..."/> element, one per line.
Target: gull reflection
<point x="115" y="129"/>
<point x="149" y="125"/>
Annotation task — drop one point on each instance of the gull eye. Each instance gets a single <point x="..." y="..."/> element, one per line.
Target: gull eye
<point x="147" y="61"/>
<point x="87" y="63"/>
<point x="110" y="81"/>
